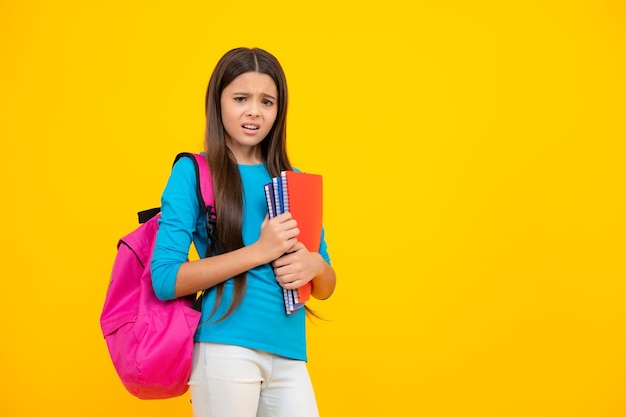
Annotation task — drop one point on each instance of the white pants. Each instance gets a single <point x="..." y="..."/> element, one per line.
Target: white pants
<point x="232" y="381"/>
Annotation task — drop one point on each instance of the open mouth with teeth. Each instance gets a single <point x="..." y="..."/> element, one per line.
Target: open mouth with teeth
<point x="251" y="127"/>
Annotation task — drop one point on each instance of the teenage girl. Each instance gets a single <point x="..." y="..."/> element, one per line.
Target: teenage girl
<point x="249" y="355"/>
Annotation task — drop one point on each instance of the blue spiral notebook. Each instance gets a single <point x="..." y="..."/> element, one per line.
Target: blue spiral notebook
<point x="301" y="194"/>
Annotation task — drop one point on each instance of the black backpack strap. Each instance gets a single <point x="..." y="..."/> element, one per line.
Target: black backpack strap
<point x="144" y="216"/>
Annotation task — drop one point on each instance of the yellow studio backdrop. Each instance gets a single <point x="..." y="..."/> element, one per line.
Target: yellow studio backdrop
<point x="473" y="159"/>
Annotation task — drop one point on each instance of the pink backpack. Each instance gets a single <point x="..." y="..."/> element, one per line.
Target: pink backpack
<point x="150" y="341"/>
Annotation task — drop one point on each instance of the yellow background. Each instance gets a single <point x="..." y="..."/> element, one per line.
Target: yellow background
<point x="473" y="156"/>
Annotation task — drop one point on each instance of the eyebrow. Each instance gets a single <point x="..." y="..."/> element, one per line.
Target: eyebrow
<point x="240" y="93"/>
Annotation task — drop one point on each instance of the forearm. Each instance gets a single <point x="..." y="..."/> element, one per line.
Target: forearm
<point x="205" y="273"/>
<point x="324" y="282"/>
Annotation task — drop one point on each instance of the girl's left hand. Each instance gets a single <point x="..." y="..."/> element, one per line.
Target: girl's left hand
<point x="297" y="267"/>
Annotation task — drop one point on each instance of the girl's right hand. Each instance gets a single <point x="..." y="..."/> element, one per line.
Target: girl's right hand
<point x="278" y="236"/>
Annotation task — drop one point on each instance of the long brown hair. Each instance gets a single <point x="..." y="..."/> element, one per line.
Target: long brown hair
<point x="227" y="184"/>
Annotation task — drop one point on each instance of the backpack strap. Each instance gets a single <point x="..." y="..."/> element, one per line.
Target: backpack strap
<point x="204" y="181"/>
<point x="145" y="215"/>
<point x="206" y="199"/>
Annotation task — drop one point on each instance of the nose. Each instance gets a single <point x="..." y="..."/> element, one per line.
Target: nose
<point x="253" y="110"/>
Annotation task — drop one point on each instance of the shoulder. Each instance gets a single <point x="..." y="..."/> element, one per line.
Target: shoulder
<point x="184" y="165"/>
<point x="183" y="171"/>
<point x="182" y="181"/>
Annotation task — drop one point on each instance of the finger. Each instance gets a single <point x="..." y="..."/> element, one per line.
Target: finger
<point x="286" y="216"/>
<point x="297" y="247"/>
<point x="284" y="274"/>
<point x="287" y="281"/>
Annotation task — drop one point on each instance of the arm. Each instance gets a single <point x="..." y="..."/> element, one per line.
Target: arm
<point x="172" y="275"/>
<point x="277" y="236"/>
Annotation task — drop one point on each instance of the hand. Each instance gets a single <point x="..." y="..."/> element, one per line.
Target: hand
<point x="297" y="267"/>
<point x="278" y="235"/>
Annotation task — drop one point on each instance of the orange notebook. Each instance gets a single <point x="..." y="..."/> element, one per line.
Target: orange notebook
<point x="302" y="197"/>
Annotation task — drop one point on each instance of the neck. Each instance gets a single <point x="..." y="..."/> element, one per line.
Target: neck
<point x="247" y="156"/>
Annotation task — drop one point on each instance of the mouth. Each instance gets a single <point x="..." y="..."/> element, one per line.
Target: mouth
<point x="250" y="126"/>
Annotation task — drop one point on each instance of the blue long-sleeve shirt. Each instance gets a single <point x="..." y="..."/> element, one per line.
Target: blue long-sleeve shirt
<point x="260" y="322"/>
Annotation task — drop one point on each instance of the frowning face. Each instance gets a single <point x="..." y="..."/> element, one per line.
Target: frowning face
<point x="249" y="108"/>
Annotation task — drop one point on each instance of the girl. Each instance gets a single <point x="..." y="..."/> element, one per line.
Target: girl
<point x="249" y="355"/>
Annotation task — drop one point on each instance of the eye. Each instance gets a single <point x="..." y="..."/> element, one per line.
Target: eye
<point x="240" y="99"/>
<point x="267" y="102"/>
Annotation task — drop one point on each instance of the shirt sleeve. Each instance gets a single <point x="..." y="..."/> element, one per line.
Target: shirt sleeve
<point x="177" y="225"/>
<point x="324" y="248"/>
